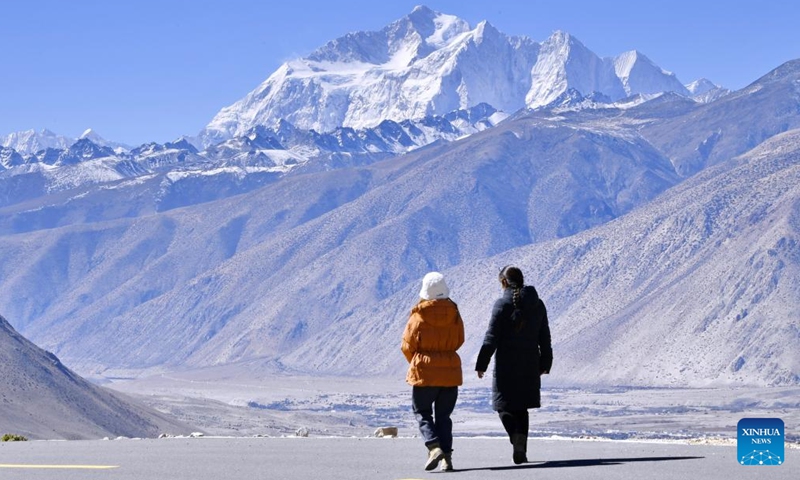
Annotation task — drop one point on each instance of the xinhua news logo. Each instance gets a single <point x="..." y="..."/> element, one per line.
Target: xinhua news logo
<point x="760" y="441"/>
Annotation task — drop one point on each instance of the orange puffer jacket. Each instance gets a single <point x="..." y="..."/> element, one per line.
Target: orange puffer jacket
<point x="433" y="334"/>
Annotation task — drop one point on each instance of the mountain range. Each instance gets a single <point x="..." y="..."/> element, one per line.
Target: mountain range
<point x="29" y="142"/>
<point x="426" y="77"/>
<point x="234" y="166"/>
<point x="660" y="230"/>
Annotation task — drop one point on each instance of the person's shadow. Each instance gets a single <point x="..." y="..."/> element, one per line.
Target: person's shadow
<point x="581" y="462"/>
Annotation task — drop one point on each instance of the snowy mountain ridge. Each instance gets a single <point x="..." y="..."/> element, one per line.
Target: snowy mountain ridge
<point x="30" y="142"/>
<point x="241" y="163"/>
<point x="640" y="75"/>
<point x="705" y="91"/>
<point x="424" y="64"/>
<point x="430" y="63"/>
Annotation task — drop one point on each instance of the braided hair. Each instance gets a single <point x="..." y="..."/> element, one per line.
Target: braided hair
<point x="511" y="277"/>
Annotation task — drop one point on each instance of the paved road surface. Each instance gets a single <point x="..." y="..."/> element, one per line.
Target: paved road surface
<point x="373" y="458"/>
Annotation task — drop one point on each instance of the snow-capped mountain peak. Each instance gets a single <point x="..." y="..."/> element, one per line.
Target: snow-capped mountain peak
<point x="30" y="141"/>
<point x="411" y="37"/>
<point x="98" y="140"/>
<point x="92" y="135"/>
<point x="485" y="31"/>
<point x="704" y="91"/>
<point x="624" y="62"/>
<point x="563" y="63"/>
<point x="640" y="75"/>
<point x="426" y="63"/>
<point x="437" y="29"/>
<point x="701" y="86"/>
<point x="431" y="63"/>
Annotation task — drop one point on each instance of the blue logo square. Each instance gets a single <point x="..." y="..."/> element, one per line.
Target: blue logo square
<point x="760" y="441"/>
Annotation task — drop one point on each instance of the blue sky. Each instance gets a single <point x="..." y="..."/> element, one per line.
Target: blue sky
<point x="144" y="70"/>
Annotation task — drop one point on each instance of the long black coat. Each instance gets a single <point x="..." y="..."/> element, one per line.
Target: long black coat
<point x="521" y="356"/>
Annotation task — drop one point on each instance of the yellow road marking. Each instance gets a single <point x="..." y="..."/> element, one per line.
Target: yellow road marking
<point x="68" y="467"/>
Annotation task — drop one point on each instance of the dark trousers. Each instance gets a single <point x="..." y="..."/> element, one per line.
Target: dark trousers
<point x="514" y="421"/>
<point x="432" y="406"/>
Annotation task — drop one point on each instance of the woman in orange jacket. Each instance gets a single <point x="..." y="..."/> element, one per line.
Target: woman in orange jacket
<point x="433" y="334"/>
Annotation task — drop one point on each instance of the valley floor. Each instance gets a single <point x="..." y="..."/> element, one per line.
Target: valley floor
<point x="280" y="405"/>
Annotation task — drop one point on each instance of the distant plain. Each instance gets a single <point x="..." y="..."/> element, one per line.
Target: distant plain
<point x="222" y="404"/>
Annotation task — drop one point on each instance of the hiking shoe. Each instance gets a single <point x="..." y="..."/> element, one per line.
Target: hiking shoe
<point x="447" y="463"/>
<point x="435" y="455"/>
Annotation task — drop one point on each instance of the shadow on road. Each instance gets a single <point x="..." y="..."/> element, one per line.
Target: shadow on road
<point x="582" y="462"/>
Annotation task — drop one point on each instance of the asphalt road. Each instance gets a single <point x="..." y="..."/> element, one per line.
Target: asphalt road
<point x="372" y="458"/>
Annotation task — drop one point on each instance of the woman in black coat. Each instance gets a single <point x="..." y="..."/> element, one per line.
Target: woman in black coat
<point x="519" y="337"/>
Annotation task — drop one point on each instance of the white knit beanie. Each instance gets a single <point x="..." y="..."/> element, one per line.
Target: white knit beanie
<point x="434" y="287"/>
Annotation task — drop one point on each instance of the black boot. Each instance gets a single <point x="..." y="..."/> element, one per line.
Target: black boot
<point x="520" y="442"/>
<point x="447" y="462"/>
